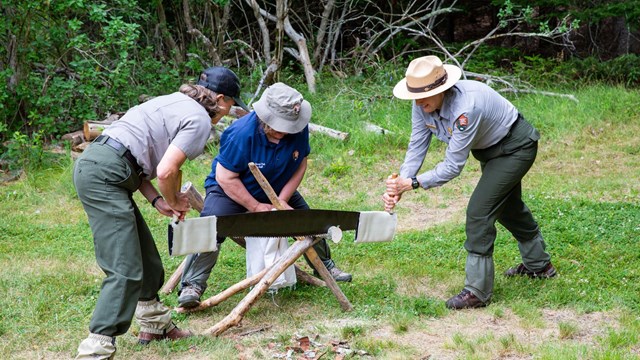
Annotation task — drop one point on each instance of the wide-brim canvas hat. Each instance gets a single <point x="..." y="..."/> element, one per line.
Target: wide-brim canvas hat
<point x="426" y="76"/>
<point x="283" y="108"/>
<point x="223" y="81"/>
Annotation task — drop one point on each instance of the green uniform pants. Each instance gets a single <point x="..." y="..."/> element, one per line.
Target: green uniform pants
<point x="124" y="247"/>
<point x="498" y="197"/>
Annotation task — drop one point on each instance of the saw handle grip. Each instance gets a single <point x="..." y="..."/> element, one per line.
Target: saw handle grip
<point x="393" y="176"/>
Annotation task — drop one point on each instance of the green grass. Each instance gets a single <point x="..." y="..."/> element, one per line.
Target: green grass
<point x="583" y="190"/>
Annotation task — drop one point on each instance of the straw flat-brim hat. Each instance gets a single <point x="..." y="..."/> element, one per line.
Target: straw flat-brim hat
<point x="426" y="76"/>
<point x="283" y="108"/>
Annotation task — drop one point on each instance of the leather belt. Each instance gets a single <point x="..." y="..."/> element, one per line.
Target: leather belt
<point x="117" y="145"/>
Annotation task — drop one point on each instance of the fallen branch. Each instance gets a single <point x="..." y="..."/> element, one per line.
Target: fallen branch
<point x="376" y="129"/>
<point x="328" y="131"/>
<point x="546" y="93"/>
<point x="255" y="330"/>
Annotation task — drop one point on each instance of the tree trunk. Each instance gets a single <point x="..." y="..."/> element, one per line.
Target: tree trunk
<point x="303" y="53"/>
<point x="166" y="35"/>
<point x="322" y="30"/>
<point x="282" y="9"/>
<point x="264" y="30"/>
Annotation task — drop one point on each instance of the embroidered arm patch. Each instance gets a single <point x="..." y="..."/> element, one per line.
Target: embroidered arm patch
<point x="462" y="122"/>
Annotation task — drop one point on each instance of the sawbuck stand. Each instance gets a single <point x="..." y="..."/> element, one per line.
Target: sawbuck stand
<point x="262" y="280"/>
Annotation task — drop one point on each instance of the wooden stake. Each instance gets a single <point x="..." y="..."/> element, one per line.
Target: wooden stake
<point x="311" y="253"/>
<point x="287" y="259"/>
<point x="227" y="293"/>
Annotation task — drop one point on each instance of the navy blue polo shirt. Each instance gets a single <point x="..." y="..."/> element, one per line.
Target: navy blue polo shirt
<point x="245" y="141"/>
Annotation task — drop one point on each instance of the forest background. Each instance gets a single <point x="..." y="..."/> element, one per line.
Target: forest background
<point x="572" y="67"/>
<point x="64" y="62"/>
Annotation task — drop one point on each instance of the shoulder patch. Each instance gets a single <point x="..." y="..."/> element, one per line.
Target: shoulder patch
<point x="462" y="122"/>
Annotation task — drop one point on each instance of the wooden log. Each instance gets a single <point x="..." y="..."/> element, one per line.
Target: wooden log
<point x="303" y="276"/>
<point x="75" y="138"/>
<point x="227" y="293"/>
<point x="174" y="279"/>
<point x="311" y="253"/>
<point x="345" y="304"/>
<point x="80" y="147"/>
<point x="287" y="259"/>
<point x="328" y="131"/>
<point x="376" y="129"/>
<point x="93" y="129"/>
<point x="195" y="198"/>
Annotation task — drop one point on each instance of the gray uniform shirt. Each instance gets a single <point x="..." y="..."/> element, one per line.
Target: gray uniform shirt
<point x="473" y="116"/>
<point x="148" y="129"/>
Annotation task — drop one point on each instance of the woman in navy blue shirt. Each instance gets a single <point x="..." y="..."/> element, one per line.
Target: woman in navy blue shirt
<point x="275" y="136"/>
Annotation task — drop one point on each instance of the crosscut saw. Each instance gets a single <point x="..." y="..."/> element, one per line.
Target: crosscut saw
<point x="196" y="235"/>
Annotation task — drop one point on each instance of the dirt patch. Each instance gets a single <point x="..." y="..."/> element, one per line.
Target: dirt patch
<point x="419" y="216"/>
<point x="478" y="333"/>
<point x="507" y="336"/>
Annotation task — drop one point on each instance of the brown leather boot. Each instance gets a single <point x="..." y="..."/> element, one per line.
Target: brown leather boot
<point x="144" y="337"/>
<point x="465" y="300"/>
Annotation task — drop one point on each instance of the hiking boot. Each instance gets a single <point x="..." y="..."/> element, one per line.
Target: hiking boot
<point x="189" y="296"/>
<point x="337" y="274"/>
<point x="521" y="270"/>
<point x="465" y="300"/>
<point x="144" y="337"/>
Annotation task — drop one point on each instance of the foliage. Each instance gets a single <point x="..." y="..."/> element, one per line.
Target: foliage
<point x="545" y="72"/>
<point x="68" y="61"/>
<point x="591" y="13"/>
<point x="26" y="152"/>
<point x="83" y="62"/>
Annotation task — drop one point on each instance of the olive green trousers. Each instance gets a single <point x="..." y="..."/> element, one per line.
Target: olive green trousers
<point x="124" y="247"/>
<point x="498" y="197"/>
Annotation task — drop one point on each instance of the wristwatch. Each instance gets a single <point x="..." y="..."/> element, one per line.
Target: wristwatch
<point x="414" y="183"/>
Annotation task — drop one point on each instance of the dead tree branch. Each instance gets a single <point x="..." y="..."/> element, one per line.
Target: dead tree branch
<point x="301" y="42"/>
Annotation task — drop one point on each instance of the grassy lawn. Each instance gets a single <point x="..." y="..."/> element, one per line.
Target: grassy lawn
<point x="584" y="190"/>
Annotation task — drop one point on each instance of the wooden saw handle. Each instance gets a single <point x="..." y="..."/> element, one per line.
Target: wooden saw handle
<point x="393" y="176"/>
<point x="264" y="184"/>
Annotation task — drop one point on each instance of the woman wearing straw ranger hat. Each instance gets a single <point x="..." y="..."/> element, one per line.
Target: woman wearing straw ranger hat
<point x="473" y="118"/>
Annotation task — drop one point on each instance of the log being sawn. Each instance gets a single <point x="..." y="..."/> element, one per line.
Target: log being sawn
<point x="302" y="245"/>
<point x="197" y="203"/>
<point x="199" y="235"/>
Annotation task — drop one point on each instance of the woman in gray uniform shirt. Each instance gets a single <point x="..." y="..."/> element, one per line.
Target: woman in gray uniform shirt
<point x="473" y="118"/>
<point x="151" y="140"/>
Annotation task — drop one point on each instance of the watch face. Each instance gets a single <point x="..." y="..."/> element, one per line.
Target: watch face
<point x="414" y="183"/>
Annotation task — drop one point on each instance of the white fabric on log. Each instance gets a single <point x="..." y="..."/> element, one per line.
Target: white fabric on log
<point x="263" y="252"/>
<point x="194" y="235"/>
<point x="376" y="226"/>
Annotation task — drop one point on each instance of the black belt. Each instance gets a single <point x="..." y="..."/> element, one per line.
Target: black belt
<point x="117" y="145"/>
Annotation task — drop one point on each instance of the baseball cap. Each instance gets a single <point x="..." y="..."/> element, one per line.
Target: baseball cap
<point x="222" y="81"/>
